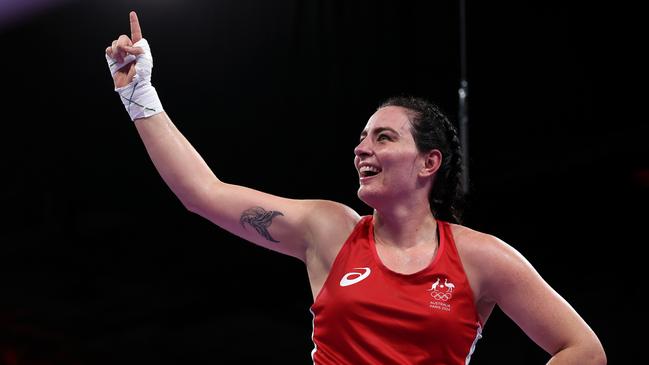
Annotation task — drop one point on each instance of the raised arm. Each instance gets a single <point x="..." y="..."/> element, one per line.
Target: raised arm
<point x="280" y="224"/>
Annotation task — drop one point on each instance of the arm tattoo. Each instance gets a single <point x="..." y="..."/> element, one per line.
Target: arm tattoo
<point x="260" y="220"/>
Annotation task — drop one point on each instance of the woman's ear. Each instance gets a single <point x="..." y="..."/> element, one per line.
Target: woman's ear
<point x="432" y="163"/>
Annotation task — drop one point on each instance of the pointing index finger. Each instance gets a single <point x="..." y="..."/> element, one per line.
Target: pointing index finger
<point x="136" y="32"/>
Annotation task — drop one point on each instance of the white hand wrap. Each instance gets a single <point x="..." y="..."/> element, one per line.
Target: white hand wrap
<point x="139" y="96"/>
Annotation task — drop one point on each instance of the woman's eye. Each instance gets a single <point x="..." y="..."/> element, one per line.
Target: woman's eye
<point x="382" y="137"/>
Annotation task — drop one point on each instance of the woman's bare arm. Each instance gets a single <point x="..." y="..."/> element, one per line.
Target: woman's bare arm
<point x="547" y="318"/>
<point x="280" y="224"/>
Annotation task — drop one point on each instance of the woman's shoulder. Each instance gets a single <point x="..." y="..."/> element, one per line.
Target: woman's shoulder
<point x="330" y="224"/>
<point x="474" y="244"/>
<point x="332" y="212"/>
<point x="330" y="221"/>
<point x="486" y="258"/>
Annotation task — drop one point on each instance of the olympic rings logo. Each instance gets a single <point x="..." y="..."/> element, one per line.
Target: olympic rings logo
<point x="440" y="296"/>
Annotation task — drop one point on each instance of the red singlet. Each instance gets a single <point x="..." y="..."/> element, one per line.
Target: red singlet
<point x="367" y="314"/>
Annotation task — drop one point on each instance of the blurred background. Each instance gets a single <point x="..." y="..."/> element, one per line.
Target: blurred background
<point x="101" y="264"/>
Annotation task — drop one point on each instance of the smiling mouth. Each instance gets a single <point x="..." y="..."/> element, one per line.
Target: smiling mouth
<point x="368" y="174"/>
<point x="368" y="171"/>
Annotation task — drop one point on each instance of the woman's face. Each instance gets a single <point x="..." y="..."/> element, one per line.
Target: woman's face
<point x="387" y="159"/>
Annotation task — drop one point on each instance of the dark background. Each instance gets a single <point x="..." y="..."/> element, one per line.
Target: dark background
<point x="101" y="264"/>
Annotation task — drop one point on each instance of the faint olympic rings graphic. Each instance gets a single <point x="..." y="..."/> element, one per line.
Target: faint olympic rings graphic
<point x="440" y="296"/>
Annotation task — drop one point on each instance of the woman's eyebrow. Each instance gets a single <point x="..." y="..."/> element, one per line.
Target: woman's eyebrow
<point x="385" y="129"/>
<point x="379" y="130"/>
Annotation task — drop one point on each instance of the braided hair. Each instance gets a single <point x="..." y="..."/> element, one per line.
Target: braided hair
<point x="431" y="129"/>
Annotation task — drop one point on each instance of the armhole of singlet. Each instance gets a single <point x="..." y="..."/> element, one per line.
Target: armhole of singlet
<point x="361" y="223"/>
<point x="450" y="243"/>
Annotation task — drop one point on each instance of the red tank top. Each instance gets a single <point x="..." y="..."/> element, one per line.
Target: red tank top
<point x="367" y="314"/>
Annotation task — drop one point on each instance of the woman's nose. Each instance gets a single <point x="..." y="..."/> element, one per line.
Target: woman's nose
<point x="363" y="148"/>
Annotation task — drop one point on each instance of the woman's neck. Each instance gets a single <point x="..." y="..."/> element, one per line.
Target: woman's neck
<point x="405" y="228"/>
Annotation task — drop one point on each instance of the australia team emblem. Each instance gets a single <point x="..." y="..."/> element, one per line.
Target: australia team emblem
<point x="441" y="292"/>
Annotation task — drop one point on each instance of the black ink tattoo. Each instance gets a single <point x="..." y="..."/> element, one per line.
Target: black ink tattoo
<point x="260" y="220"/>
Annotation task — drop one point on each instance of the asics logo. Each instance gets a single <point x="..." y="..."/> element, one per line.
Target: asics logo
<point x="357" y="276"/>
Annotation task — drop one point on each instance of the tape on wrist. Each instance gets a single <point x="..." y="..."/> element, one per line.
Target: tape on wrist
<point x="139" y="97"/>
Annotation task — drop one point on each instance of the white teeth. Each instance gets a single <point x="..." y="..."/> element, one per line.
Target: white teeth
<point x="368" y="169"/>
